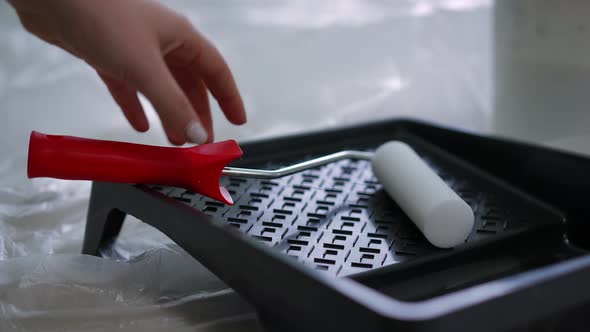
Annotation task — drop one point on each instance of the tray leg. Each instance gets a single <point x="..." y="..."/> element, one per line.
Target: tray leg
<point x="103" y="222"/>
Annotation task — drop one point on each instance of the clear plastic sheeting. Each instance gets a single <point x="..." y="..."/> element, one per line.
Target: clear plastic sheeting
<point x="162" y="288"/>
<point x="300" y="65"/>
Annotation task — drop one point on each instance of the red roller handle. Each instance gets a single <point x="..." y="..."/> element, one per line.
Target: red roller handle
<point x="73" y="158"/>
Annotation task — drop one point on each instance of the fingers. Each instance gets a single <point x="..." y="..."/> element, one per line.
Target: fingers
<point x="201" y="105"/>
<point x="219" y="80"/>
<point x="153" y="78"/>
<point x="126" y="98"/>
<point x="200" y="58"/>
<point x="196" y="91"/>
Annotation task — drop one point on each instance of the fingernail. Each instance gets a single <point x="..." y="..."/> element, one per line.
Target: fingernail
<point x="195" y="133"/>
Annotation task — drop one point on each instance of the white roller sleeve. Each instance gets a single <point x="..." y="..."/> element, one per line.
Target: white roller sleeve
<point x="442" y="216"/>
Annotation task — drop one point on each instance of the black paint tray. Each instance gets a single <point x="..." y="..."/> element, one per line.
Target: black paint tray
<point x="327" y="249"/>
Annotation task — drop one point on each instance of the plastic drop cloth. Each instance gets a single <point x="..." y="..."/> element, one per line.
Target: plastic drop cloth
<point x="300" y="65"/>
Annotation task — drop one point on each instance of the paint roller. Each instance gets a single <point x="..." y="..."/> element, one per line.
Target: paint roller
<point x="438" y="212"/>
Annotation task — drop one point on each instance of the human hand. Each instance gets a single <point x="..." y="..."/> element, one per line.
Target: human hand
<point x="142" y="46"/>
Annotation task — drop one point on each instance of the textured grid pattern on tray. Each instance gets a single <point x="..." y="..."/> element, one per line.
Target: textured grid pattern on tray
<point x="338" y="219"/>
